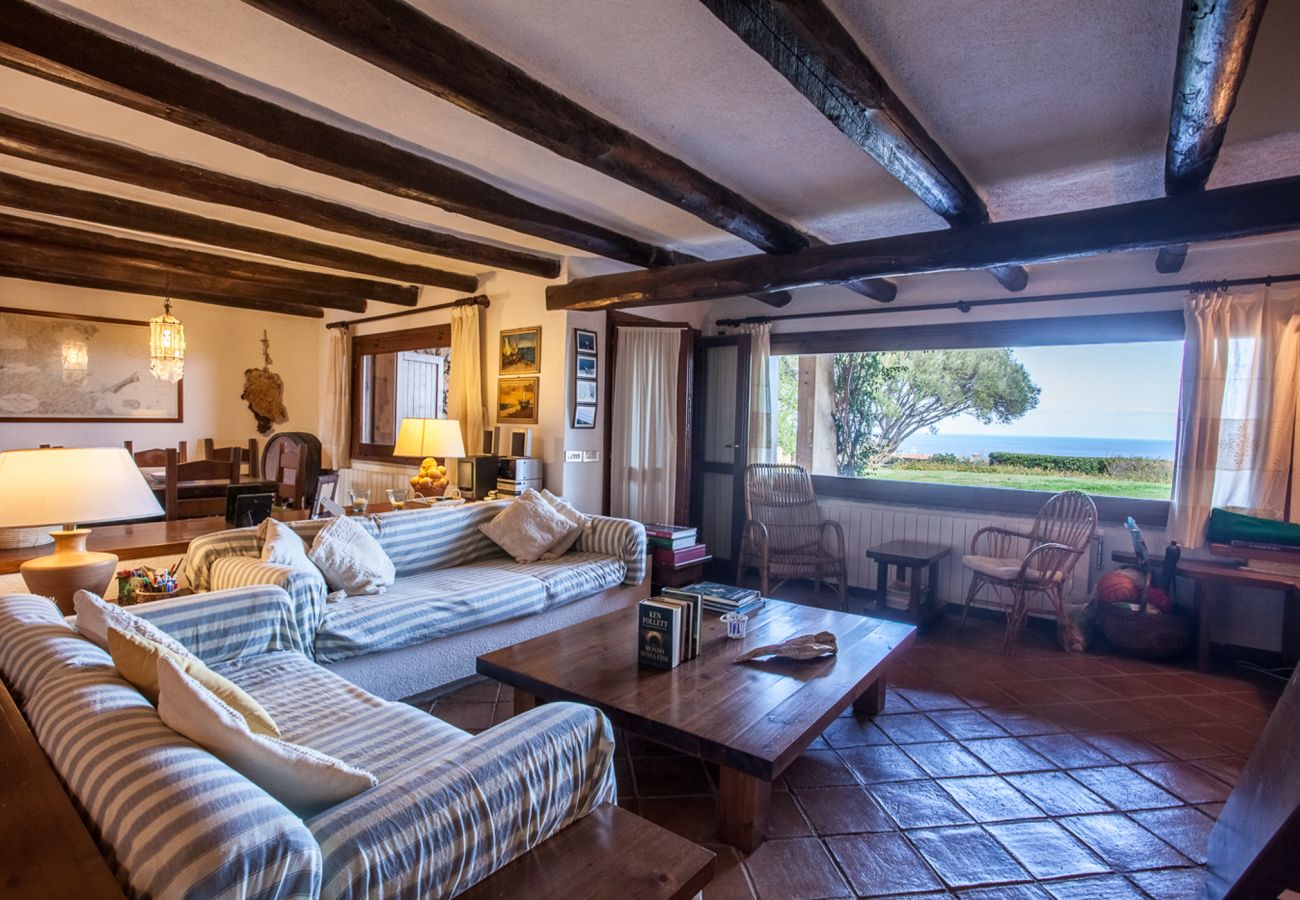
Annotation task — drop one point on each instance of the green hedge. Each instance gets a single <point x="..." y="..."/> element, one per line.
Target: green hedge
<point x="1078" y="465"/>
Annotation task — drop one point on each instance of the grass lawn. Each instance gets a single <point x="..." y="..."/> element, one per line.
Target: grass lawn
<point x="1113" y="487"/>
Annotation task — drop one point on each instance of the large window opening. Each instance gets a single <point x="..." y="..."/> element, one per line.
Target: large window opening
<point x="1096" y="417"/>
<point x="397" y="375"/>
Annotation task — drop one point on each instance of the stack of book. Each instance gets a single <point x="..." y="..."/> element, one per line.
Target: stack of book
<point x="669" y="632"/>
<point x="719" y="598"/>
<point x="674" y="545"/>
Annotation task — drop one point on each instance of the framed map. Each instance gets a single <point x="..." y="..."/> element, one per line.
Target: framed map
<point x="59" y="367"/>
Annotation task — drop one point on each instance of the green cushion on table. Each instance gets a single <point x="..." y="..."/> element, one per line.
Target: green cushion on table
<point x="1226" y="527"/>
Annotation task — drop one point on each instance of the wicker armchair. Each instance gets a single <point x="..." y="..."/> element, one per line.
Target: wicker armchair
<point x="785" y="536"/>
<point x="1025" y="564"/>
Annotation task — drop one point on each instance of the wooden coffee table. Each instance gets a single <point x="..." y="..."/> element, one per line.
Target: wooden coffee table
<point x="753" y="719"/>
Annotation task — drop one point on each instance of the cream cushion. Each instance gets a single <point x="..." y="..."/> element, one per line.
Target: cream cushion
<point x="1004" y="569"/>
<point x="96" y="615"/>
<point x="136" y="659"/>
<point x="350" y="559"/>
<point x="527" y="528"/>
<point x="281" y="545"/>
<point x="581" y="525"/>
<point x="303" y="779"/>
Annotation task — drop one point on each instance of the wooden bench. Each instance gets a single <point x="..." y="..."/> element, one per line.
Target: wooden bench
<point x="49" y="853"/>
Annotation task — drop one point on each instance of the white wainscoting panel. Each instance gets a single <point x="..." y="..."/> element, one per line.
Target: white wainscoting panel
<point x="869" y="524"/>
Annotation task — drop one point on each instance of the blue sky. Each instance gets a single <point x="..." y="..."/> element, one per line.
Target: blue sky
<point x="1095" y="390"/>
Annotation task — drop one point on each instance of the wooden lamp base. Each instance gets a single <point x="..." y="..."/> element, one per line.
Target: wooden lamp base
<point x="70" y="568"/>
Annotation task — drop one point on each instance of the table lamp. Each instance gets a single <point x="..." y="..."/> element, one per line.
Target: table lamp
<point x="76" y="484"/>
<point x="430" y="439"/>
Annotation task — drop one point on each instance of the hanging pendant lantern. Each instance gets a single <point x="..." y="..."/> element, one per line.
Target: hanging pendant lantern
<point x="166" y="346"/>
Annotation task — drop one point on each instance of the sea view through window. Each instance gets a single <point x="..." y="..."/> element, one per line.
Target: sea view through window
<point x="1094" y="417"/>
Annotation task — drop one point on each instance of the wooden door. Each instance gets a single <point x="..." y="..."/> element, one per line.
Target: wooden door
<point x="721" y="445"/>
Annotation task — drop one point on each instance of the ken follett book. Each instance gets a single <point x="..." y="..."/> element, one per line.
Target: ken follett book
<point x="659" y="634"/>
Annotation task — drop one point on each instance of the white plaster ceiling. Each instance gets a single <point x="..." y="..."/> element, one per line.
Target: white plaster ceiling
<point x="1047" y="105"/>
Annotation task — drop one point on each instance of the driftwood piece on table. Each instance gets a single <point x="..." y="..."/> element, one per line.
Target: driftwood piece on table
<point x="805" y="646"/>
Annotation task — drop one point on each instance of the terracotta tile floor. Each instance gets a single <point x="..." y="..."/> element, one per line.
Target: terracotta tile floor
<point x="1041" y="775"/>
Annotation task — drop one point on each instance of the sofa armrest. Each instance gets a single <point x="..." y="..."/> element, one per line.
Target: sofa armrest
<point x="620" y="538"/>
<point x="206" y="549"/>
<point x="220" y="626"/>
<point x="450" y="820"/>
<point x="306" y="588"/>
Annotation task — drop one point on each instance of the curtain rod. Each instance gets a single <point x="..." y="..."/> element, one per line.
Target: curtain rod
<point x="476" y="300"/>
<point x="966" y="306"/>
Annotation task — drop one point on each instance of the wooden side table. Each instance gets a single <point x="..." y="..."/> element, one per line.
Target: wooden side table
<point x="911" y="558"/>
<point x="663" y="575"/>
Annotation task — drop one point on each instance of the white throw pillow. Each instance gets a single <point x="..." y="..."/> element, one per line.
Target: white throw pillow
<point x="527" y="528"/>
<point x="96" y="615"/>
<point x="303" y="779"/>
<point x="350" y="559"/>
<point x="281" y="545"/>
<point x="581" y="525"/>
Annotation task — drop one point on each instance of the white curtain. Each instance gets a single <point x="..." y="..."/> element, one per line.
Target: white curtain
<point x="1237" y="410"/>
<point x="762" y="437"/>
<point x="465" y="384"/>
<point x="643" y="442"/>
<point x="338" y="394"/>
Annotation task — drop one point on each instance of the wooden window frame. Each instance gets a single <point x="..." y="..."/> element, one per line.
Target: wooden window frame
<point x="386" y="342"/>
<point x="1067" y="330"/>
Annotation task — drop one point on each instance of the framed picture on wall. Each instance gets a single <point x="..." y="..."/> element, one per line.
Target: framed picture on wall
<point x="584" y="392"/>
<point x="584" y="341"/>
<point x="584" y="416"/>
<point x="585" y="367"/>
<point x="521" y="351"/>
<point x="62" y="367"/>
<point x="517" y="401"/>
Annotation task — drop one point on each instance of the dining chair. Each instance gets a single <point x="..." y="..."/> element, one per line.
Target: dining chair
<point x="247" y="455"/>
<point x="218" y="473"/>
<point x="288" y="478"/>
<point x="155" y="458"/>
<point x="785" y="535"/>
<point x="1020" y="565"/>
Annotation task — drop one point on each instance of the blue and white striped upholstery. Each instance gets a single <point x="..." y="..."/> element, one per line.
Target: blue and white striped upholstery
<point x="172" y="820"/>
<point x="436" y="538"/>
<point x="223" y="625"/>
<point x="318" y="709"/>
<point x="421" y="607"/>
<point x="467" y="812"/>
<point x="306" y="587"/>
<point x="206" y="549"/>
<point x="622" y="539"/>
<point x="571" y="577"/>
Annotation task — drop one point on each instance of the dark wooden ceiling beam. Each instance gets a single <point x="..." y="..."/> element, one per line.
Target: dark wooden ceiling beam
<point x="86" y="272"/>
<point x="26" y="139"/>
<point x="1224" y="214"/>
<point x="1214" y="44"/>
<point x="159" y="275"/>
<point x="14" y="229"/>
<point x="809" y="47"/>
<point x="56" y="48"/>
<point x="103" y="209"/>
<point x="403" y="41"/>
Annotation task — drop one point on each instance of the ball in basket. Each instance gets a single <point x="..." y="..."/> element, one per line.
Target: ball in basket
<point x="1117" y="587"/>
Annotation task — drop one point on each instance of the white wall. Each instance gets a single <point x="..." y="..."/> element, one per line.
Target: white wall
<point x="220" y="344"/>
<point x="518" y="301"/>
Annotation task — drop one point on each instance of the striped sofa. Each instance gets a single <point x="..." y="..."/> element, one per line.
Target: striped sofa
<point x="172" y="821"/>
<point x="457" y="594"/>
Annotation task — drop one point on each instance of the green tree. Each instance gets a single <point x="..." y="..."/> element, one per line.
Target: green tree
<point x="881" y="399"/>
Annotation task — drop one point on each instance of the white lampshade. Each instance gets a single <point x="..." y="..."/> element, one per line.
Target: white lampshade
<point x="429" y="437"/>
<point x="63" y="486"/>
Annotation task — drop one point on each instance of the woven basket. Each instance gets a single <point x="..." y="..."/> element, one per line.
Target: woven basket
<point x="22" y="538"/>
<point x="1144" y="635"/>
